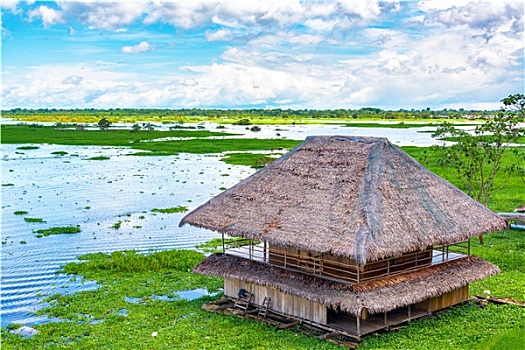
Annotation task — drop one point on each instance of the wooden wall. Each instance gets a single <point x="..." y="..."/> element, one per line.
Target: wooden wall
<point x="281" y="302"/>
<point x="445" y="300"/>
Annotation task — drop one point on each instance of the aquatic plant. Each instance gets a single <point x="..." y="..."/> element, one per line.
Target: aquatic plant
<point x="20" y="212"/>
<point x="57" y="230"/>
<point x="98" y="158"/>
<point x="27" y="148"/>
<point x="179" y="209"/>
<point x="40" y="220"/>
<point x="117" y="225"/>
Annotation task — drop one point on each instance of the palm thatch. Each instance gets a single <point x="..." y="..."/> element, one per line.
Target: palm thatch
<point x="376" y="296"/>
<point x="360" y="197"/>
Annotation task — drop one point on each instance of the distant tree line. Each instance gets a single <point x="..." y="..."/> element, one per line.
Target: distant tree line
<point x="367" y="112"/>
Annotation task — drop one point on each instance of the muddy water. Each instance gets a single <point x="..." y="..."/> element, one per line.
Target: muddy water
<point x="69" y="190"/>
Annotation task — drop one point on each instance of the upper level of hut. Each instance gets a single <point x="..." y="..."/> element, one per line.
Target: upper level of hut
<point x="346" y="198"/>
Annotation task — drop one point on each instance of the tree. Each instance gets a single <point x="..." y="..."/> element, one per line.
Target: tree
<point x="476" y="157"/>
<point x="104" y="124"/>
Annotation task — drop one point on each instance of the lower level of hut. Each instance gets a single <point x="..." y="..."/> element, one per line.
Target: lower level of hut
<point x="355" y="309"/>
<point x="315" y="312"/>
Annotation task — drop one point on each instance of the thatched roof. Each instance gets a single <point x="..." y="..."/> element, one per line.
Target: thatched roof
<point x="360" y="197"/>
<point x="377" y="296"/>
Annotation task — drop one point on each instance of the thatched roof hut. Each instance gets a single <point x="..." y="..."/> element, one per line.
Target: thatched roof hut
<point x="349" y="228"/>
<point x="358" y="197"/>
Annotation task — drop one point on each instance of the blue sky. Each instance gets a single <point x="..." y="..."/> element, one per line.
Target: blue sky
<point x="262" y="54"/>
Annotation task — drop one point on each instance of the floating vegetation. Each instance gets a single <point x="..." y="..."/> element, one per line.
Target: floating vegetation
<point x="117" y="225"/>
<point x="59" y="153"/>
<point x="8" y="185"/>
<point x="21" y="212"/>
<point x="39" y="220"/>
<point x="253" y="160"/>
<point x="179" y="209"/>
<point x="27" y="148"/>
<point x="61" y="230"/>
<point x="98" y="158"/>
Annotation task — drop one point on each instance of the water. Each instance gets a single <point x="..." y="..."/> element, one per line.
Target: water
<point x="70" y="190"/>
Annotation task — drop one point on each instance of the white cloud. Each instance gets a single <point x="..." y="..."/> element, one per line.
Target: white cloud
<point x="429" y="5"/>
<point x="48" y="15"/>
<point x="219" y="35"/>
<point x="478" y="15"/>
<point x="143" y="46"/>
<point x="461" y="51"/>
<point x="104" y="15"/>
<point x="72" y="79"/>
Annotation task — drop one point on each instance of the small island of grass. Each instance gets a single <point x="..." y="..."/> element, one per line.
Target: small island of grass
<point x="179" y="209"/>
<point x="57" y="231"/>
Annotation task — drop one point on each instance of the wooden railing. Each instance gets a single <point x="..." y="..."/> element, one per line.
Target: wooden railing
<point x="344" y="269"/>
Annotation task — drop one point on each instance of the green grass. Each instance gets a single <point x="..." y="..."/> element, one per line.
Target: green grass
<point x="116" y="225"/>
<point x="132" y="275"/>
<point x="29" y="134"/>
<point x="98" y="158"/>
<point x="40" y="220"/>
<point x="59" y="153"/>
<point x="399" y="125"/>
<point x="123" y="325"/>
<point x="253" y="160"/>
<point x="518" y="140"/>
<point x="27" y="148"/>
<point x="203" y="146"/>
<point x="179" y="209"/>
<point x="508" y="193"/>
<point x="21" y="212"/>
<point x="58" y="231"/>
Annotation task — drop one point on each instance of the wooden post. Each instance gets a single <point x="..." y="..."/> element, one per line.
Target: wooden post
<point x="409" y="312"/>
<point x="264" y="251"/>
<point x="386" y="319"/>
<point x="358" y="318"/>
<point x="223" y="250"/>
<point x="468" y="247"/>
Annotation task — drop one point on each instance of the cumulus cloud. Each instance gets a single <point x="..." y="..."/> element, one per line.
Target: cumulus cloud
<point x="478" y="15"/>
<point x="143" y="46"/>
<point x="219" y="35"/>
<point x="294" y="55"/>
<point x="104" y="15"/>
<point x="48" y="15"/>
<point x="73" y="80"/>
<point x="238" y="14"/>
